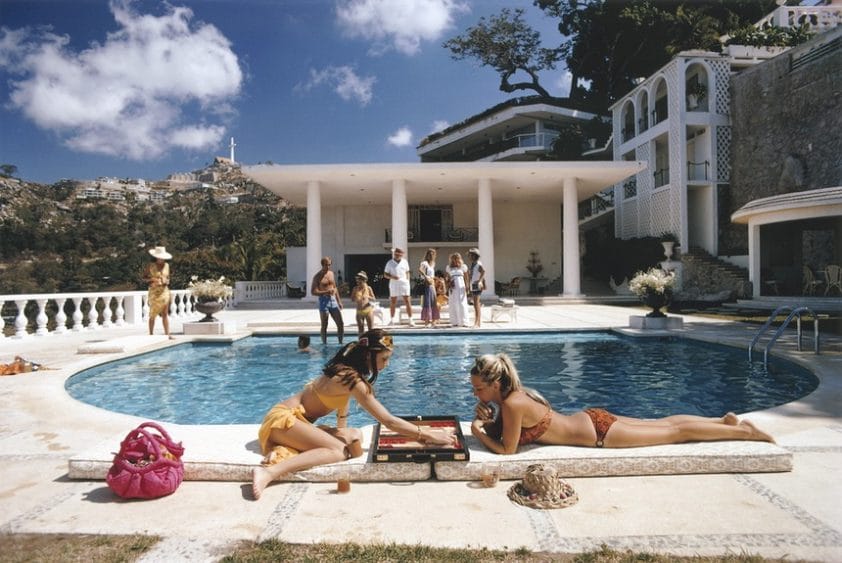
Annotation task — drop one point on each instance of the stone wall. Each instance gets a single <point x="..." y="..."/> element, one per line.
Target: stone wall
<point x="786" y="116"/>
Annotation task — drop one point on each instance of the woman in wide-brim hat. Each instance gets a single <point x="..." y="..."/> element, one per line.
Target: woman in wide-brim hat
<point x="157" y="276"/>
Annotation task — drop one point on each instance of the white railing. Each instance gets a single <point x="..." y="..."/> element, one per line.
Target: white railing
<point x="40" y="314"/>
<point x="820" y="18"/>
<point x="258" y="290"/>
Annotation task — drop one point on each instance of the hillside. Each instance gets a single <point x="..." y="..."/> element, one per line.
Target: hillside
<point x="91" y="235"/>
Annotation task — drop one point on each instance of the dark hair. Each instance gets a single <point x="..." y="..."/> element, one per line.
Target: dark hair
<point x="351" y="362"/>
<point x="303" y="341"/>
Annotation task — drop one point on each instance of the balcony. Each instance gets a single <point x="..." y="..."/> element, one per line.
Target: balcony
<point x="458" y="235"/>
<point x="662" y="177"/>
<point x="597" y="204"/>
<point x="698" y="171"/>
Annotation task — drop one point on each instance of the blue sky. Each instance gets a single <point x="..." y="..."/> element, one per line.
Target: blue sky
<point x="144" y="88"/>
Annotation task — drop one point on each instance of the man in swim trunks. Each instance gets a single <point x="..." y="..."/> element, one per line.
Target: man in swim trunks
<point x="324" y="287"/>
<point x="525" y="417"/>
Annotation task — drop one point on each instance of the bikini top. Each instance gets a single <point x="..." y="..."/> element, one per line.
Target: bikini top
<point x="333" y="402"/>
<point x="533" y="433"/>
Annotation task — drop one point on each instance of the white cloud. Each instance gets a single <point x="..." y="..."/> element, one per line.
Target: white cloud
<point x="130" y="95"/>
<point x="400" y="138"/>
<point x="399" y="24"/>
<point x="344" y="82"/>
<point x="439" y="125"/>
<point x="564" y="82"/>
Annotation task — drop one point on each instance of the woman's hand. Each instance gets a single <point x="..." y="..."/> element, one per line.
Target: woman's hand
<point x="438" y="438"/>
<point x="484" y="412"/>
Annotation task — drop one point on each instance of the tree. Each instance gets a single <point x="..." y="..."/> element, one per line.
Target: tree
<point x="509" y="45"/>
<point x="8" y="170"/>
<point x="610" y="43"/>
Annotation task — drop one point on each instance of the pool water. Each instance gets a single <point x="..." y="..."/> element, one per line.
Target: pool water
<point x="428" y="375"/>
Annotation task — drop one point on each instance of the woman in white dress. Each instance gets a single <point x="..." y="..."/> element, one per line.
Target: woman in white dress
<point x="457" y="283"/>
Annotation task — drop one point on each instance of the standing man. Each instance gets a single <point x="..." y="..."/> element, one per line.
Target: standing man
<point x="397" y="272"/>
<point x="324" y="287"/>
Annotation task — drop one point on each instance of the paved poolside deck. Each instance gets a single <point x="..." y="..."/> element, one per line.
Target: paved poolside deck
<point x="797" y="515"/>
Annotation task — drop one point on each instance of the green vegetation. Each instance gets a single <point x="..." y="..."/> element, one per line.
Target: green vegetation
<point x="20" y="548"/>
<point x="52" y="241"/>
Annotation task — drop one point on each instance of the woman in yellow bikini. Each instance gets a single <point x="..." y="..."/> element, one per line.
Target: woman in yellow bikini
<point x="292" y="442"/>
<point x="363" y="296"/>
<point x="525" y="417"/>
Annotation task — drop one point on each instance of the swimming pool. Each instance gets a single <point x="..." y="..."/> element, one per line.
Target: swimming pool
<point x="428" y="375"/>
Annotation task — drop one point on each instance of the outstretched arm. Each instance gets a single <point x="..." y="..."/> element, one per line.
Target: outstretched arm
<point x="375" y="408"/>
<point x="512" y="421"/>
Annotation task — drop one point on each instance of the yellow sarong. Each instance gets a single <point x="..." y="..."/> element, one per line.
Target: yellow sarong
<point x="159" y="292"/>
<point x="281" y="417"/>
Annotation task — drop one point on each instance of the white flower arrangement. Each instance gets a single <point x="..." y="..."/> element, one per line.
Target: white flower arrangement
<point x="653" y="280"/>
<point x="209" y="290"/>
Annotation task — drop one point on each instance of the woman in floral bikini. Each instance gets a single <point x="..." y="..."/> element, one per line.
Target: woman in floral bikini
<point x="526" y="417"/>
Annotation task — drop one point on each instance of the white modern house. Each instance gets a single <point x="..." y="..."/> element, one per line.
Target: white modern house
<point x="357" y="212"/>
<point x="679" y="122"/>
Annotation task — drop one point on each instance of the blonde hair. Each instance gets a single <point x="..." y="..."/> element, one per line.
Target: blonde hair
<point x="499" y="367"/>
<point x="430" y="254"/>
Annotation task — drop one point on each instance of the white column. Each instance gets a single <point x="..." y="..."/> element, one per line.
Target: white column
<point x="485" y="224"/>
<point x="314" y="232"/>
<point x="754" y="258"/>
<point x="570" y="234"/>
<point x="400" y="223"/>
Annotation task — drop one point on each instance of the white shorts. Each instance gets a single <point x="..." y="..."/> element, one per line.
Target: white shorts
<point x="398" y="288"/>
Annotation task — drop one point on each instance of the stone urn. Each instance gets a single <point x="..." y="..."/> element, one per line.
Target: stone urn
<point x="656" y="301"/>
<point x="669" y="246"/>
<point x="209" y="308"/>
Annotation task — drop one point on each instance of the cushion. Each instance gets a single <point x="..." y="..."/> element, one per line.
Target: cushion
<point x="230" y="453"/>
<point x="571" y="461"/>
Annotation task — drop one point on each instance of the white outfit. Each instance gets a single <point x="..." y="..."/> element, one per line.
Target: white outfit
<point x="458" y="296"/>
<point x="400" y="286"/>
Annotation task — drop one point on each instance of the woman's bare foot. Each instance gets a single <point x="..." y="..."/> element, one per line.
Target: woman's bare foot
<point x="260" y="478"/>
<point x="730" y="419"/>
<point x="756" y="433"/>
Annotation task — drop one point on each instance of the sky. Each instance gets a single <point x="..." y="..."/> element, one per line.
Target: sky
<point x="144" y="88"/>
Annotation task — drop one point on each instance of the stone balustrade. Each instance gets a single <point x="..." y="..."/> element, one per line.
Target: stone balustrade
<point x="258" y="291"/>
<point x="39" y="314"/>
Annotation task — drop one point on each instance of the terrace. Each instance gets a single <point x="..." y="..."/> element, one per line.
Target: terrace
<point x="793" y="514"/>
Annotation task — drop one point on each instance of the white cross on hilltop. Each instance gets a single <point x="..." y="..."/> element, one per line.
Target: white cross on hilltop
<point x="231" y="146"/>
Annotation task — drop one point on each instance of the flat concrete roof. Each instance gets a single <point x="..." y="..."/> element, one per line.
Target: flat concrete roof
<point x="432" y="183"/>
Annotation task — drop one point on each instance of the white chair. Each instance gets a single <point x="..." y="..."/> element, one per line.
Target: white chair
<point x="809" y="283"/>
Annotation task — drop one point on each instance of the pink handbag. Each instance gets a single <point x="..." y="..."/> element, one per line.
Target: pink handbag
<point x="148" y="464"/>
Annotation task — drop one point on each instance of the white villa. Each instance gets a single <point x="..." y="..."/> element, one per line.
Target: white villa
<point x="357" y="212"/>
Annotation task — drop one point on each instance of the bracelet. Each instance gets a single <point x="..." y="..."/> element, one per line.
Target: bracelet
<point x="420" y="438"/>
<point x="341" y="416"/>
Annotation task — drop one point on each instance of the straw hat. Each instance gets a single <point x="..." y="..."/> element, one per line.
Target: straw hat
<point x="543" y="488"/>
<point x="474" y="251"/>
<point x="160" y="252"/>
<point x="362" y="275"/>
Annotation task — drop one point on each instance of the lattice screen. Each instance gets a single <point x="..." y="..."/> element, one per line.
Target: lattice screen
<point x="722" y="79"/>
<point x="629" y="226"/>
<point x="723" y="154"/>
<point x="661" y="205"/>
<point x="669" y="218"/>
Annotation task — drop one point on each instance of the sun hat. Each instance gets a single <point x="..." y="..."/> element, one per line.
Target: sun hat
<point x="541" y="487"/>
<point x="474" y="251"/>
<point x="362" y="275"/>
<point x="160" y="252"/>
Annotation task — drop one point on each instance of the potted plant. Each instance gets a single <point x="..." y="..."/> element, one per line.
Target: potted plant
<point x="696" y="94"/>
<point x="654" y="288"/>
<point x="210" y="296"/>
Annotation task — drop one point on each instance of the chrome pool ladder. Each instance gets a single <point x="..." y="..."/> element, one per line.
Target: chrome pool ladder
<point x="794" y="313"/>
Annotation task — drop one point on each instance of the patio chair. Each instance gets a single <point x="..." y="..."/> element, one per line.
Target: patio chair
<point x="512" y="289"/>
<point x="833" y="278"/>
<point x="809" y="283"/>
<point x="294" y="292"/>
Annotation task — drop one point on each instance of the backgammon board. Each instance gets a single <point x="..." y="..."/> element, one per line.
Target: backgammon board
<point x="392" y="447"/>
